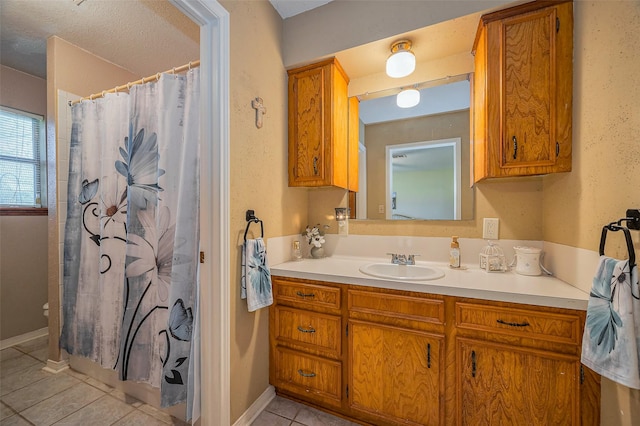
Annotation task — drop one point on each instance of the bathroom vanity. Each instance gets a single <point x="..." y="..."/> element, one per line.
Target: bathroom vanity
<point x="461" y="349"/>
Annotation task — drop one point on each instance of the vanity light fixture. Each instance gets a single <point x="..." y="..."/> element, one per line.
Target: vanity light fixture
<point x="402" y="61"/>
<point x="408" y="98"/>
<point x="342" y="217"/>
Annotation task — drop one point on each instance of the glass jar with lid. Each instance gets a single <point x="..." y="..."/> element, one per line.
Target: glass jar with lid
<point x="492" y="258"/>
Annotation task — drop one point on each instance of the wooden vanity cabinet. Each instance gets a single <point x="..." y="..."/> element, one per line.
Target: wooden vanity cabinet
<point x="322" y="135"/>
<point x="519" y="365"/>
<point x="396" y="358"/>
<point x="389" y="357"/>
<point x="522" y="91"/>
<point x="305" y="336"/>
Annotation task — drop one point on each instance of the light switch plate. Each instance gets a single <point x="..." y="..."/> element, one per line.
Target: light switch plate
<point x="490" y="227"/>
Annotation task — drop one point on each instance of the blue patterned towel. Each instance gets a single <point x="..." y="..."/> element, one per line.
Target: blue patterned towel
<point x="256" y="278"/>
<point x="612" y="333"/>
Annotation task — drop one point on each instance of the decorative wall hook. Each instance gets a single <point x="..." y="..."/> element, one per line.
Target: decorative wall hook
<point x="260" y="111"/>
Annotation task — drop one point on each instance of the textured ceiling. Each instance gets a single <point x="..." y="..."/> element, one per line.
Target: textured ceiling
<point x="288" y="8"/>
<point x="128" y="33"/>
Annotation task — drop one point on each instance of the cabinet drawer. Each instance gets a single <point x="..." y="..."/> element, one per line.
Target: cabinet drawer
<point x="549" y="326"/>
<point x="397" y="306"/>
<point x="309" y="330"/>
<point x="308" y="376"/>
<point x="306" y="295"/>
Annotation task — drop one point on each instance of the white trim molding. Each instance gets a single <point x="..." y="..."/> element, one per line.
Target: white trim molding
<point x="214" y="208"/>
<point x="17" y="340"/>
<point x="257" y="407"/>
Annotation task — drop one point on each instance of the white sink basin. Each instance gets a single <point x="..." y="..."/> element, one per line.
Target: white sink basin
<point x="401" y="272"/>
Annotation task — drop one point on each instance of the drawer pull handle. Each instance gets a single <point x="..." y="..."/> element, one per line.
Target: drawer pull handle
<point x="305" y="374"/>
<point x="473" y="363"/>
<point x="515" y="148"/>
<point x="306" y="330"/>
<point x="513" y="324"/>
<point x="315" y="166"/>
<point x="428" y="355"/>
<point x="305" y="295"/>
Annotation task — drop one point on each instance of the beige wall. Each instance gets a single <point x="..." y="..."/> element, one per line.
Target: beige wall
<point x="76" y="71"/>
<point x="23" y="239"/>
<point x="432" y="127"/>
<point x="605" y="180"/>
<point x="23" y="274"/>
<point x="258" y="179"/>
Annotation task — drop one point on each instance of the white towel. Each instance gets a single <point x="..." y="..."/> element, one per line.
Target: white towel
<point x="612" y="332"/>
<point x="256" y="277"/>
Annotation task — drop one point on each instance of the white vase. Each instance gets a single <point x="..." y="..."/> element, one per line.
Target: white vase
<point x="317" y="252"/>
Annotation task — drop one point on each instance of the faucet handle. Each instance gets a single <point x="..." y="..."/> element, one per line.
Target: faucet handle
<point x="411" y="259"/>
<point x="394" y="257"/>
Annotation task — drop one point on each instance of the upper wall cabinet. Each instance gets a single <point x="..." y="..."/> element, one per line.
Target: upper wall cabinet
<point x="522" y="91"/>
<point x="321" y="133"/>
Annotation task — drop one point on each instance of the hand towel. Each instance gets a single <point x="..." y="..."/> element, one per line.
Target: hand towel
<point x="256" y="277"/>
<point x="612" y="332"/>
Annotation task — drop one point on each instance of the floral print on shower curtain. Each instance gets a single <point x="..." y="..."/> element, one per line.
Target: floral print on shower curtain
<point x="131" y="237"/>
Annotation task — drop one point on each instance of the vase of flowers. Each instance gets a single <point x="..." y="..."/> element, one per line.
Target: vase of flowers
<point x="315" y="238"/>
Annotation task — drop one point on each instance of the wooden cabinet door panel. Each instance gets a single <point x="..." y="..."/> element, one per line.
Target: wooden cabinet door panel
<point x="396" y="374"/>
<point x="529" y="89"/>
<point x="307" y="119"/>
<point x="500" y="385"/>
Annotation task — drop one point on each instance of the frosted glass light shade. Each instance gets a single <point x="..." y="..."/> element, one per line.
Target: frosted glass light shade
<point x="401" y="64"/>
<point x="402" y="61"/>
<point x="408" y="98"/>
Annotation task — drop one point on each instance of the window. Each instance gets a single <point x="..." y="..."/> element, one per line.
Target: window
<point x="22" y="159"/>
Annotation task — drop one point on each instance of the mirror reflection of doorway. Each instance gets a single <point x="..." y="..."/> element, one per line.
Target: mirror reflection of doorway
<point x="423" y="180"/>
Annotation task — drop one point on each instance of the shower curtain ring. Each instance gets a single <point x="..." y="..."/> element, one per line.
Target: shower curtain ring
<point x="158" y="77"/>
<point x="128" y="86"/>
<point x="104" y="93"/>
<point x="189" y="65"/>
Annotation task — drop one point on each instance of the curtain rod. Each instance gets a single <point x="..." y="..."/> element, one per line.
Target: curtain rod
<point x="126" y="87"/>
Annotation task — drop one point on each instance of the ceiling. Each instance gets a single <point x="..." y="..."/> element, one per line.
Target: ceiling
<point x="128" y="33"/>
<point x="289" y="8"/>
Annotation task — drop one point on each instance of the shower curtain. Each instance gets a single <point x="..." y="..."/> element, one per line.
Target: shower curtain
<point x="131" y="237"/>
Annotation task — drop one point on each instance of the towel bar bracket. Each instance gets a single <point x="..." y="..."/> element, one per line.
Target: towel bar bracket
<point x="633" y="219"/>
<point x="250" y="217"/>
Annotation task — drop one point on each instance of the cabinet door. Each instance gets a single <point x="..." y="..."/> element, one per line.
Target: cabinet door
<point x="308" y="131"/>
<point x="396" y="374"/>
<point x="505" y="385"/>
<point x="529" y="77"/>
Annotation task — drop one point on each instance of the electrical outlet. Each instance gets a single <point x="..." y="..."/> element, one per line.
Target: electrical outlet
<point x="380" y="208"/>
<point x="490" y="228"/>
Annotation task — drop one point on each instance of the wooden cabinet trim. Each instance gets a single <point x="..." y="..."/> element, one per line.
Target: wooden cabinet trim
<point x="548" y="326"/>
<point x="396" y="306"/>
<point x="321" y="333"/>
<point x="306" y="294"/>
<point x="308" y="375"/>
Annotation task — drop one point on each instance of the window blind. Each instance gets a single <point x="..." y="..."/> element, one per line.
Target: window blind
<point x="22" y="158"/>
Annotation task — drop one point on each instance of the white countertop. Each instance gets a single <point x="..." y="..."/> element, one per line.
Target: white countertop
<point x="471" y="281"/>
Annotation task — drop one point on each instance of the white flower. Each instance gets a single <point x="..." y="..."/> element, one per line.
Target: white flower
<point x="318" y="241"/>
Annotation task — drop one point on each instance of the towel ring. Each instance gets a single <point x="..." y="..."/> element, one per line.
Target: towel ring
<point x="627" y="235"/>
<point x="251" y="218"/>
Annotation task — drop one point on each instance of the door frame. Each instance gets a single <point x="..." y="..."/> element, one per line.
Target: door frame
<point x="214" y="306"/>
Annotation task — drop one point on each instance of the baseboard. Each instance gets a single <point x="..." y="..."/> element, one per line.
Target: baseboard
<point x="16" y="340"/>
<point x="56" y="367"/>
<point x="256" y="408"/>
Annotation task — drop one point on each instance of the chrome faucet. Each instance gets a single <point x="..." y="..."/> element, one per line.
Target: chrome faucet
<point x="401" y="259"/>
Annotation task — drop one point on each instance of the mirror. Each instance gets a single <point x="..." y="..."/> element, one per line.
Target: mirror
<point x="414" y="162"/>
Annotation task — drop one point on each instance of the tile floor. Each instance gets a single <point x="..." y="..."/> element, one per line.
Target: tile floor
<point x="284" y="412"/>
<point x="30" y="396"/>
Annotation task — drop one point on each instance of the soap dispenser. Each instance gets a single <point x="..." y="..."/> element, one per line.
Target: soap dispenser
<point x="454" y="253"/>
